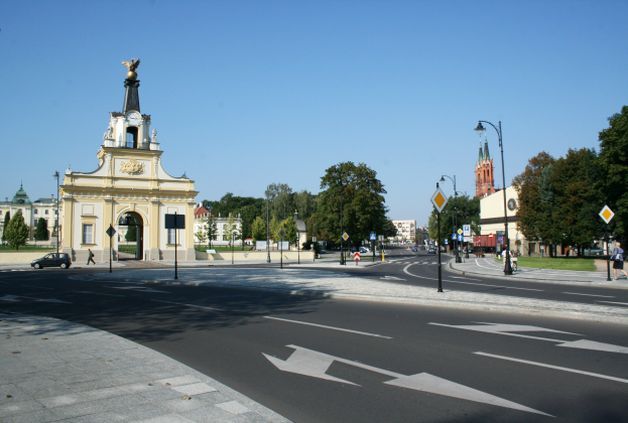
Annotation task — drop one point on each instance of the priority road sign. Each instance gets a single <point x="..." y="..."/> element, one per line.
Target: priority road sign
<point x="111" y="232"/>
<point x="459" y="231"/>
<point x="439" y="200"/>
<point x="606" y="214"/>
<point x="345" y="236"/>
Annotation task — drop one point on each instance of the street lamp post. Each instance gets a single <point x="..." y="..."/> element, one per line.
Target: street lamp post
<point x="480" y="130"/>
<point x="267" y="233"/>
<point x="442" y="179"/>
<point x="296" y="225"/>
<point x="56" y="175"/>
<point x="233" y="237"/>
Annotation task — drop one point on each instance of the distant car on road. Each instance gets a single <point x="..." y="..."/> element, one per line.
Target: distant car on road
<point x="364" y="250"/>
<point x="593" y="252"/>
<point x="431" y="250"/>
<point x="61" y="260"/>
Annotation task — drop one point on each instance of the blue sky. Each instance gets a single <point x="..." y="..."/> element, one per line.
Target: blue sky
<point x="247" y="93"/>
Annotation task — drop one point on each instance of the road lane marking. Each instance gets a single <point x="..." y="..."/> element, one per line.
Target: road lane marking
<point x="189" y="305"/>
<point x="506" y="329"/>
<point x="100" y="293"/>
<point x="407" y="272"/>
<point x="311" y="363"/>
<point x="588" y="295"/>
<point x="357" y="332"/>
<point x="465" y="278"/>
<point x="551" y="366"/>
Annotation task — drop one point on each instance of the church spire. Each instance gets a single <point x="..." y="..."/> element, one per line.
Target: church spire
<point x="487" y="156"/>
<point x="131" y="85"/>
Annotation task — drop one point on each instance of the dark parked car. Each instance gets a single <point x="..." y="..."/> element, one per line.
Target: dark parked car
<point x="61" y="260"/>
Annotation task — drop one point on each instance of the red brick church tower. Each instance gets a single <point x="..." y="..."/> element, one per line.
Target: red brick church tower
<point x="484" y="182"/>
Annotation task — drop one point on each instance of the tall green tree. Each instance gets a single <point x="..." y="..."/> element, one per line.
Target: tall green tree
<point x="16" y="232"/>
<point x="614" y="161"/>
<point x="258" y="229"/>
<point x="576" y="181"/>
<point x="212" y="229"/>
<point x="41" y="231"/>
<point x="7" y="219"/>
<point x="281" y="200"/>
<point x="534" y="206"/>
<point x="352" y="201"/>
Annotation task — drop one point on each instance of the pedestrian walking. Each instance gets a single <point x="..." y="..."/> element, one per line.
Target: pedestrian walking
<point x="618" y="261"/>
<point x="90" y="257"/>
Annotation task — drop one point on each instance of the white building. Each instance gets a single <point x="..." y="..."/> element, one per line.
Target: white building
<point x="406" y="231"/>
<point x="128" y="189"/>
<point x="225" y="226"/>
<point x="45" y="208"/>
<point x="492" y="225"/>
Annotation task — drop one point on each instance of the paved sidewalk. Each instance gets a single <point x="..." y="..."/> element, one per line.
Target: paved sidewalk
<point x="56" y="371"/>
<point x="488" y="266"/>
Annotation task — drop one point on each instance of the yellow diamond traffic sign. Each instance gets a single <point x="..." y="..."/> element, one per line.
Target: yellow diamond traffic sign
<point x="345" y="236"/>
<point x="439" y="200"/>
<point x="606" y="214"/>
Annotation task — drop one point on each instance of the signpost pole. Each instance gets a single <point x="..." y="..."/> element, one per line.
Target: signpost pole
<point x="440" y="276"/>
<point x="111" y="232"/>
<point x="176" y="241"/>
<point x="607" y="215"/>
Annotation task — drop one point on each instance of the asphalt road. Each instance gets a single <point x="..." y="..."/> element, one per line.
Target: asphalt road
<point x="314" y="360"/>
<point x="405" y="267"/>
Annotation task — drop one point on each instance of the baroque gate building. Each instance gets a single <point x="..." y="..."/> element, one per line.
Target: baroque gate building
<point x="129" y="191"/>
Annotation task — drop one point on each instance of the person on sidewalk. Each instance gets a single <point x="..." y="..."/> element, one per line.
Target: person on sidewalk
<point x="90" y="257"/>
<point x="618" y="261"/>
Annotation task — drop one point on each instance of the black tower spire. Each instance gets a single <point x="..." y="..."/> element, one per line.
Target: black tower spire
<point x="131" y="85"/>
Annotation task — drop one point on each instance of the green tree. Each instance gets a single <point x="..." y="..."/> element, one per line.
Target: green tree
<point x="211" y="227"/>
<point x="281" y="200"/>
<point x="351" y="201"/>
<point x="290" y="229"/>
<point x="576" y="181"/>
<point x="131" y="233"/>
<point x="258" y="229"/>
<point x="533" y="209"/>
<point x="16" y="232"/>
<point x="614" y="162"/>
<point x="7" y="219"/>
<point x="41" y="231"/>
<point x="231" y="229"/>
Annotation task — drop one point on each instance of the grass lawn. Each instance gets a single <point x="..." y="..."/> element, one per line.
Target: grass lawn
<point x="202" y="248"/>
<point x="558" y="263"/>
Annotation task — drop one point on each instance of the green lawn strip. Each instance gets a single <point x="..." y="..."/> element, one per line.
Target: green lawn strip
<point x="557" y="263"/>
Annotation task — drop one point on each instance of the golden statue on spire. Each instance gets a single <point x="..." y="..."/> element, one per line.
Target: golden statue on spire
<point x="131" y="65"/>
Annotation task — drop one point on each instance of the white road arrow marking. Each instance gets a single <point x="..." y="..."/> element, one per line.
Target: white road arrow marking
<point x="10" y="298"/>
<point x="585" y="344"/>
<point x="550" y="366"/>
<point x="506" y="329"/>
<point x="308" y="363"/>
<point x="435" y="385"/>
<point x="312" y="363"/>
<point x="392" y="278"/>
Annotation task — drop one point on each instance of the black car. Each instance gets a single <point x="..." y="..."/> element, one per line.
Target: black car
<point x="61" y="260"/>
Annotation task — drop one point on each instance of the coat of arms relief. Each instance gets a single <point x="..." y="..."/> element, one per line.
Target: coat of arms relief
<point x="132" y="167"/>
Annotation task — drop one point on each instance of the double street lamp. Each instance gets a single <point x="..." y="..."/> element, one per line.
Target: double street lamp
<point x="481" y="130"/>
<point x="442" y="179"/>
<point x="56" y="175"/>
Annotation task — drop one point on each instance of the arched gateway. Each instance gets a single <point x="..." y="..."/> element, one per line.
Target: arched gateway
<point x="129" y="191"/>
